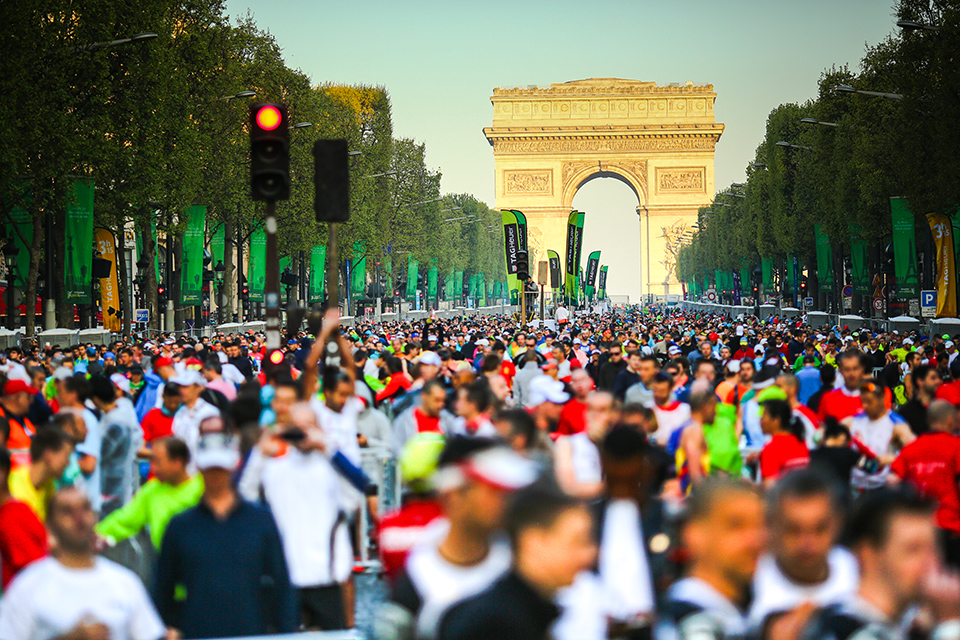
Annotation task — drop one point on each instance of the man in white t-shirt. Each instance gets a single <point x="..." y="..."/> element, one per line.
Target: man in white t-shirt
<point x="671" y="413"/>
<point x="804" y="563"/>
<point x="193" y="411"/>
<point x="77" y="594"/>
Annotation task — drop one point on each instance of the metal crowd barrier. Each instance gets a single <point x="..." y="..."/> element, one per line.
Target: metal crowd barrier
<point x="382" y="469"/>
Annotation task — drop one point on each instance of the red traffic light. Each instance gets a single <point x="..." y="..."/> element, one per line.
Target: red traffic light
<point x="268" y="117"/>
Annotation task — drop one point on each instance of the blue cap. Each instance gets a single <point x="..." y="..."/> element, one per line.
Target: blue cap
<point x="109" y="354"/>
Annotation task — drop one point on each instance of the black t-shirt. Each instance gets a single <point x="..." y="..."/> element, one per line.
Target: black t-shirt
<point x="915" y="413"/>
<point x="839" y="460"/>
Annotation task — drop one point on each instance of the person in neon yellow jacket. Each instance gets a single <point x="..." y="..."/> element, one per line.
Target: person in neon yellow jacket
<point x="171" y="491"/>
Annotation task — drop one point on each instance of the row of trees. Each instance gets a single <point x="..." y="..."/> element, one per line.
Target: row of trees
<point x="852" y="154"/>
<point x="160" y="123"/>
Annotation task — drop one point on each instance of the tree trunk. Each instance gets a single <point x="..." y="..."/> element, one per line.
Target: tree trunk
<point x="30" y="296"/>
<point x="229" y="274"/>
<point x="150" y="284"/>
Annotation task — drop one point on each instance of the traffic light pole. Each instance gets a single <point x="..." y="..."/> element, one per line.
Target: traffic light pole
<point x="272" y="282"/>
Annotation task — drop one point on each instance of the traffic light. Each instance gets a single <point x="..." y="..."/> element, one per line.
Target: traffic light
<point x="331" y="181"/>
<point x="523" y="266"/>
<point x="162" y="295"/>
<point x="269" y="152"/>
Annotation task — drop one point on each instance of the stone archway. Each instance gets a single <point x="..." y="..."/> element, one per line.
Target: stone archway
<point x="659" y="140"/>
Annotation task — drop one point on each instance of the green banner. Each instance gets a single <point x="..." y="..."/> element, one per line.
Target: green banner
<point x="482" y="290"/>
<point x="904" y="249"/>
<point x="358" y="270"/>
<point x="412" y="270"/>
<point x="257" y="265"/>
<point x="217" y="246"/>
<point x="78" y="267"/>
<point x="458" y="287"/>
<point x="511" y="245"/>
<point x="448" y="281"/>
<point x="766" y="269"/>
<point x="593" y="268"/>
<point x="318" y="266"/>
<point x="191" y="267"/>
<point x="572" y="267"/>
<point x="746" y="281"/>
<point x="860" y="261"/>
<point x="602" y="284"/>
<point x="824" y="257"/>
<point x="432" y="275"/>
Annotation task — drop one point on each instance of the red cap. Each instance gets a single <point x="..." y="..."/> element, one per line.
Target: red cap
<point x="18" y="386"/>
<point x="162" y="362"/>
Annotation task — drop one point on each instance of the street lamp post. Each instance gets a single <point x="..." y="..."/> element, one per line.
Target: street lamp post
<point x="846" y="88"/>
<point x="818" y="122"/>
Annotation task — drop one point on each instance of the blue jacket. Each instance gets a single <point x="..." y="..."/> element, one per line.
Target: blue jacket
<point x="234" y="572"/>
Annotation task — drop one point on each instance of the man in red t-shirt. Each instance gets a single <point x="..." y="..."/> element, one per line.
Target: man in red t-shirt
<point x="932" y="464"/>
<point x="845" y="401"/>
<point x="950" y="391"/>
<point x="158" y="423"/>
<point x="572" y="415"/>
<point x="23" y="538"/>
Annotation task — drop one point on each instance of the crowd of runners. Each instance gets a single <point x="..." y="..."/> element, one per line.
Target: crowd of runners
<point x="638" y="474"/>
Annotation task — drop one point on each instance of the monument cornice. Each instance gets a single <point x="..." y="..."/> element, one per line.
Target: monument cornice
<point x="598" y="87"/>
<point x="606" y="140"/>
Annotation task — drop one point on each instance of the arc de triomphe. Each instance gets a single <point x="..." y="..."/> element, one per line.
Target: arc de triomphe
<point x="659" y="140"/>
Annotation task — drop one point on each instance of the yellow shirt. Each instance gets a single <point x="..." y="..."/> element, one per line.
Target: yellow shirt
<point x="36" y="498"/>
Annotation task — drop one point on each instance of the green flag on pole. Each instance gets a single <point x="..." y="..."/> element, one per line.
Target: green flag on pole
<point x="824" y="257"/>
<point x="257" y="270"/>
<point x="78" y="243"/>
<point x="432" y="276"/>
<point x="318" y="267"/>
<point x="860" y="262"/>
<point x="217" y="246"/>
<point x="358" y="272"/>
<point x="20" y="228"/>
<point x="412" y="270"/>
<point x="191" y="268"/>
<point x="904" y="249"/>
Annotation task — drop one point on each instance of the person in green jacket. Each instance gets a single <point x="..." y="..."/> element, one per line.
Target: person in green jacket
<point x="169" y="492"/>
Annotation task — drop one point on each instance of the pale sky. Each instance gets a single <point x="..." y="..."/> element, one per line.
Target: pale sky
<point x="440" y="61"/>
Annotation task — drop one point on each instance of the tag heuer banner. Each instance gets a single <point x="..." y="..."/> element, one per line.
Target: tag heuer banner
<point x="511" y="244"/>
<point x="904" y="249"/>
<point x="946" y="280"/>
<point x="257" y="270"/>
<point x="593" y="265"/>
<point x="556" y="279"/>
<point x="78" y="269"/>
<point x="574" y="241"/>
<point x="106" y="249"/>
<point x="824" y="258"/>
<point x="318" y="265"/>
<point x="602" y="285"/>
<point x="521" y="229"/>
<point x="191" y="267"/>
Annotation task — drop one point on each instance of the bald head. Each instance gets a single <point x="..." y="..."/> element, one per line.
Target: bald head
<point x="942" y="416"/>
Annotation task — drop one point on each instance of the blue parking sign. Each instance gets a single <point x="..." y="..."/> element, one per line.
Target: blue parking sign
<point x="928" y="299"/>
